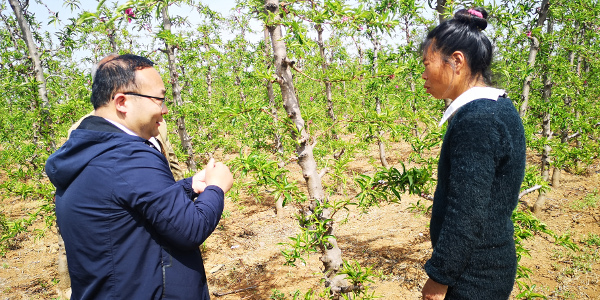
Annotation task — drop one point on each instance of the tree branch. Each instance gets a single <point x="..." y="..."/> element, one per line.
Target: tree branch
<point x="323" y="172"/>
<point x="574" y="135"/>
<point x="529" y="190"/>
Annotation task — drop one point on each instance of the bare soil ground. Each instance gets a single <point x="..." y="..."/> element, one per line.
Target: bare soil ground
<point x="244" y="251"/>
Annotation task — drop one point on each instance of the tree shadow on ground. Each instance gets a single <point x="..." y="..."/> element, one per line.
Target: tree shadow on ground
<point x="244" y="281"/>
<point x="402" y="263"/>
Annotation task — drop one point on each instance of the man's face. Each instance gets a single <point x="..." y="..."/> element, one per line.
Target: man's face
<point x="145" y="114"/>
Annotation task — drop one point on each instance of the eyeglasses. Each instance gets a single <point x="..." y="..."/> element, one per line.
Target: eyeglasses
<point x="162" y="100"/>
<point x="140" y="95"/>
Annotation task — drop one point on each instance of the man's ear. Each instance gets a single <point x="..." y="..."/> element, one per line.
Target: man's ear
<point x="121" y="103"/>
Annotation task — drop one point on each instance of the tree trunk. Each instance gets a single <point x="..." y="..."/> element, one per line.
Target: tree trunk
<point x="178" y="102"/>
<point x="64" y="280"/>
<point x="238" y="82"/>
<point x="539" y="204"/>
<point x="236" y="69"/>
<point x="567" y="102"/>
<point x="382" y="155"/>
<point x="556" y="177"/>
<point x="546" y="129"/>
<point x="533" y="50"/>
<point x="546" y="133"/>
<point x="112" y="40"/>
<point x="325" y="66"/>
<point x="375" y="66"/>
<point x="208" y="85"/>
<point x="290" y="102"/>
<point x="271" y="95"/>
<point x="208" y="74"/>
<point x="331" y="253"/>
<point x="441" y="9"/>
<point x="44" y="111"/>
<point x="580" y="63"/>
<point x="411" y="81"/>
<point x="33" y="52"/>
<point x="278" y="145"/>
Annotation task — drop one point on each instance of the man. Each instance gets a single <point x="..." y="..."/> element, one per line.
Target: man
<point x="130" y="230"/>
<point x="163" y="143"/>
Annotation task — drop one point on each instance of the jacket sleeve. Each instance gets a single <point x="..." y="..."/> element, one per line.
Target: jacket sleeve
<point x="147" y="186"/>
<point x="471" y="151"/>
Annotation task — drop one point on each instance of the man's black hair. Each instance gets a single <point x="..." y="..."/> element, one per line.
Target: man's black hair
<point x="116" y="75"/>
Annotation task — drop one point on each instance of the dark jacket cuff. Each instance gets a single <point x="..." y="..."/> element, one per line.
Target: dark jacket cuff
<point x="187" y="186"/>
<point x="438" y="275"/>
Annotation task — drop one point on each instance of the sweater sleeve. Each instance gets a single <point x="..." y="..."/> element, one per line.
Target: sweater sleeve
<point x="471" y="144"/>
<point x="148" y="187"/>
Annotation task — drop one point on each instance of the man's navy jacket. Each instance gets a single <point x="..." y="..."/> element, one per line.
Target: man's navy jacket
<point x="130" y="230"/>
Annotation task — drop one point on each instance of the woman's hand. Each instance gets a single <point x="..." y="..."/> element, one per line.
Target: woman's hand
<point x="433" y="290"/>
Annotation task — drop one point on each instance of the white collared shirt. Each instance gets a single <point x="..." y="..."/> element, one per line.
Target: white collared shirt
<point x="126" y="130"/>
<point x="474" y="93"/>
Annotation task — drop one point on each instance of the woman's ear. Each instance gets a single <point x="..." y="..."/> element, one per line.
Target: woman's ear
<point x="459" y="61"/>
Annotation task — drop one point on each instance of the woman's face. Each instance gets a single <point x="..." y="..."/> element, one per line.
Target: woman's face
<point x="438" y="75"/>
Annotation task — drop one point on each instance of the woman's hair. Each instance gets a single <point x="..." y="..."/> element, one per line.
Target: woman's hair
<point x="464" y="33"/>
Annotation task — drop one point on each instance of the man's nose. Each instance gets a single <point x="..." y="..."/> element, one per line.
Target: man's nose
<point x="164" y="109"/>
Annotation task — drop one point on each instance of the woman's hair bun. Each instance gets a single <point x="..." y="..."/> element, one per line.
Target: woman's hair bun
<point x="473" y="16"/>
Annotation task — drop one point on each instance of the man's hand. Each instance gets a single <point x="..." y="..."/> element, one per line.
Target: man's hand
<point x="215" y="174"/>
<point x="199" y="182"/>
<point x="433" y="290"/>
<point x="218" y="174"/>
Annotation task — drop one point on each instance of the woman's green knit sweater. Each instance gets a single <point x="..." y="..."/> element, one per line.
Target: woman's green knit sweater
<point x="480" y="171"/>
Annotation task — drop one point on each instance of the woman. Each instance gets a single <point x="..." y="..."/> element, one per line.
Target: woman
<point x="481" y="166"/>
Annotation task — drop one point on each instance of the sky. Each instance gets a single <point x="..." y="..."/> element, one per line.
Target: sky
<point x="44" y="11"/>
<point x="41" y="12"/>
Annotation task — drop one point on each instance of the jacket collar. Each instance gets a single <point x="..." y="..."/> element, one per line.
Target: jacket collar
<point x="474" y="93"/>
<point x="102" y="124"/>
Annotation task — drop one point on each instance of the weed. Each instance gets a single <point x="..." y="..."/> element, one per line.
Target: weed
<point x="39" y="233"/>
<point x="592" y="240"/>
<point x="566" y="294"/>
<point x="226" y="214"/>
<point x="576" y="261"/>
<point x="589" y="201"/>
<point x="297" y="295"/>
<point x="526" y="226"/>
<point x="420" y="208"/>
<point x="277" y="295"/>
<point x="527" y="291"/>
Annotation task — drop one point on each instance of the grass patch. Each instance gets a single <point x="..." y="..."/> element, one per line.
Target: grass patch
<point x="591" y="240"/>
<point x="573" y="262"/>
<point x="589" y="201"/>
